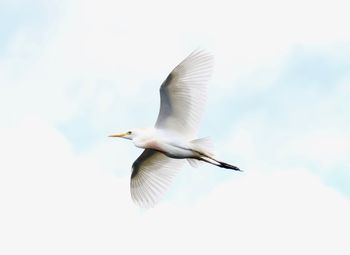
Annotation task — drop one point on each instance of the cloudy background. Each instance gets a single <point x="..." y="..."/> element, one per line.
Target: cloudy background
<point x="72" y="72"/>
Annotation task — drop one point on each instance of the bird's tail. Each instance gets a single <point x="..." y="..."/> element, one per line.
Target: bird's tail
<point x="205" y="149"/>
<point x="203" y="146"/>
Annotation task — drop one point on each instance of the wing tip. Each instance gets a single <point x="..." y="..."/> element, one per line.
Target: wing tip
<point x="200" y="52"/>
<point x="199" y="60"/>
<point x="149" y="182"/>
<point x="143" y="195"/>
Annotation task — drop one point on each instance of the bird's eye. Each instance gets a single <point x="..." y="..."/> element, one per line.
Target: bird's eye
<point x="129" y="132"/>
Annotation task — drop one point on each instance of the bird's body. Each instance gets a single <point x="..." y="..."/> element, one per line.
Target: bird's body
<point x="169" y="143"/>
<point x="174" y="138"/>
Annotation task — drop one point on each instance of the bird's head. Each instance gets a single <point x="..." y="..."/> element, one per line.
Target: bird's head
<point x="131" y="134"/>
<point x="126" y="135"/>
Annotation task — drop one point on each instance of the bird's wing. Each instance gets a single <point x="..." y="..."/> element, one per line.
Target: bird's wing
<point x="152" y="173"/>
<point x="183" y="95"/>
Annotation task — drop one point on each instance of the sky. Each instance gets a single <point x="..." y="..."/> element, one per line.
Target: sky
<point x="73" y="72"/>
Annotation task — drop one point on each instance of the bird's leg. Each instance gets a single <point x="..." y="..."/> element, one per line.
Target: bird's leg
<point x="218" y="163"/>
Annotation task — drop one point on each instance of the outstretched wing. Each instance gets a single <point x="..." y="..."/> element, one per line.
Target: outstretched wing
<point x="152" y="174"/>
<point x="183" y="95"/>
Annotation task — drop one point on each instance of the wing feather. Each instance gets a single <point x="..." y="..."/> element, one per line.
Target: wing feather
<point x="152" y="174"/>
<point x="183" y="95"/>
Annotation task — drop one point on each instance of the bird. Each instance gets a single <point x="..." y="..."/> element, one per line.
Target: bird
<point x="173" y="139"/>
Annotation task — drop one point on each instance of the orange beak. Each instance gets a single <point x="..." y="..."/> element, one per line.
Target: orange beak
<point x="118" y="135"/>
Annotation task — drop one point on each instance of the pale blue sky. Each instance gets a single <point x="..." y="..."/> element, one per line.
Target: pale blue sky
<point x="72" y="72"/>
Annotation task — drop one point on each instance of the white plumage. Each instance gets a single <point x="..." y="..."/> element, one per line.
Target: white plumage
<point x="183" y="97"/>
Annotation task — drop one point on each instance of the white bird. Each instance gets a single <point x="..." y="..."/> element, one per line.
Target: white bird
<point x="182" y="101"/>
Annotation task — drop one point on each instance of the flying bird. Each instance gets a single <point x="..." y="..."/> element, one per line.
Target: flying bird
<point x="182" y="100"/>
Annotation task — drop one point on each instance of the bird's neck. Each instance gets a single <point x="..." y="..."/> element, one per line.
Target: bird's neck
<point x="144" y="138"/>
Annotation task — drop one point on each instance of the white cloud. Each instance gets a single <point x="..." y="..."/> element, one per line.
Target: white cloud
<point x="328" y="147"/>
<point x="258" y="144"/>
<point x="54" y="201"/>
<point x="133" y="44"/>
